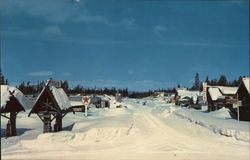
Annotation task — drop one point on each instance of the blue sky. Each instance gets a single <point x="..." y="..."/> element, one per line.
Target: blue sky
<point x="136" y="44"/>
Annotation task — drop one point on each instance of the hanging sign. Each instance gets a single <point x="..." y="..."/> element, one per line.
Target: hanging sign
<point x="55" y="83"/>
<point x="86" y="102"/>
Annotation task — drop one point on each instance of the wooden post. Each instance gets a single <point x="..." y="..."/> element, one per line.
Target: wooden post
<point x="86" y="110"/>
<point x="58" y="124"/>
<point x="46" y="123"/>
<point x="238" y="108"/>
<point x="238" y="113"/>
<point x="13" y="123"/>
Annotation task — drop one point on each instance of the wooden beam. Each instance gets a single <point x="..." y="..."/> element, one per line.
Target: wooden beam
<point x="53" y="118"/>
<point x="13" y="123"/>
<point x="40" y="117"/>
<point x="5" y="116"/>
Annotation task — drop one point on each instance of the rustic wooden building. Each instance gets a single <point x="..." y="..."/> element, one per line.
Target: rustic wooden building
<point x="12" y="102"/>
<point x="220" y="96"/>
<point x="52" y="103"/>
<point x="243" y="94"/>
<point x="187" y="98"/>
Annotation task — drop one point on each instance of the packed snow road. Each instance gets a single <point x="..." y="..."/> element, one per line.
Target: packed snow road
<point x="150" y="131"/>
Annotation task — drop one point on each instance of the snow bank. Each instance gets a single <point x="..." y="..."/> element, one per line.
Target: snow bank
<point x="163" y="111"/>
<point x="68" y="140"/>
<point x="218" y="122"/>
<point x="222" y="113"/>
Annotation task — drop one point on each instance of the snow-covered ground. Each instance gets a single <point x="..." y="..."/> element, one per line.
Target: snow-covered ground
<point x="153" y="131"/>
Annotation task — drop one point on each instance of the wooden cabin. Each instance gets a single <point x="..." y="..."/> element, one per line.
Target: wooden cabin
<point x="220" y="96"/>
<point x="52" y="103"/>
<point x="187" y="98"/>
<point x="243" y="94"/>
<point x="12" y="102"/>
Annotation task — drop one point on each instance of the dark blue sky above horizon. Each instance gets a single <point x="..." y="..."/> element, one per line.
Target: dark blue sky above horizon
<point x="136" y="44"/>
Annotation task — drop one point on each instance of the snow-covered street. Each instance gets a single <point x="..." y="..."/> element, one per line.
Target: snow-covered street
<point x="156" y="130"/>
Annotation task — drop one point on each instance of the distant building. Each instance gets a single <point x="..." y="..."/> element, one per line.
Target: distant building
<point x="221" y="96"/>
<point x="204" y="92"/>
<point x="243" y="94"/>
<point x="186" y="98"/>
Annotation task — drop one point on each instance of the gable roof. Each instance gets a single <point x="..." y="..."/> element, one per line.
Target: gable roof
<point x="57" y="95"/>
<point x="60" y="97"/>
<point x="214" y="92"/>
<point x="217" y="92"/>
<point x="228" y="90"/>
<point x="6" y="95"/>
<point x="246" y="82"/>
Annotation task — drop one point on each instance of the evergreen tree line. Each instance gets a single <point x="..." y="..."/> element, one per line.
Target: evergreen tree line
<point x="81" y="90"/>
<point x="27" y="88"/>
<point x="150" y="93"/>
<point x="222" y="81"/>
<point x="140" y="94"/>
<point x="3" y="80"/>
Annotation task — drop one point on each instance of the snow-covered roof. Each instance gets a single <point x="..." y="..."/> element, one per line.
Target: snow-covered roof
<point x="246" y="82"/>
<point x="60" y="97"/>
<point x="185" y="93"/>
<point x="5" y="96"/>
<point x="214" y="93"/>
<point x="219" y="91"/>
<point x="228" y="90"/>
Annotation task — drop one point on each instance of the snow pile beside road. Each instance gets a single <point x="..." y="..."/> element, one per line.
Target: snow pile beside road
<point x="218" y="122"/>
<point x="163" y="111"/>
<point x="222" y="113"/>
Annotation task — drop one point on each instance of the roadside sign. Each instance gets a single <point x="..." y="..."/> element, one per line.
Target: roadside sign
<point x="55" y="83"/>
<point x="86" y="102"/>
<point x="239" y="103"/>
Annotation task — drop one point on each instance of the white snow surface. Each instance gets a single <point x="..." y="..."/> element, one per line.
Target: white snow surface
<point x="214" y="93"/>
<point x="228" y="90"/>
<point x="156" y="130"/>
<point x="5" y="96"/>
<point x="61" y="97"/>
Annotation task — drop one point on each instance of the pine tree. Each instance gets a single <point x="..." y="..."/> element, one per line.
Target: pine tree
<point x="197" y="82"/>
<point x="222" y="81"/>
<point x="6" y="82"/>
<point x="65" y="86"/>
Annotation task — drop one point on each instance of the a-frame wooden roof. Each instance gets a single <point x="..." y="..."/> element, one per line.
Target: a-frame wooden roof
<point x="46" y="102"/>
<point x="12" y="99"/>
